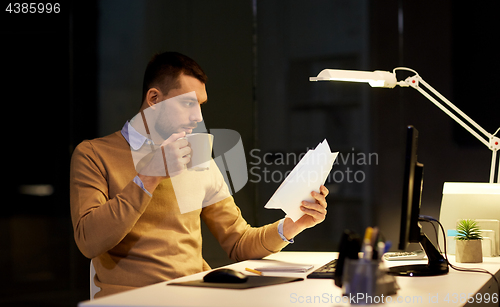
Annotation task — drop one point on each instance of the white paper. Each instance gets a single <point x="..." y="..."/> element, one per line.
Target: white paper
<point x="307" y="176"/>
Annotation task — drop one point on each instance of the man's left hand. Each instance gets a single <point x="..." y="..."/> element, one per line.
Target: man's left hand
<point x="315" y="213"/>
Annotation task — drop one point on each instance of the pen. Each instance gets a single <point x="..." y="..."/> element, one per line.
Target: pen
<point x="374" y="237"/>
<point x="388" y="245"/>
<point x="254" y="271"/>
<point x="367" y="247"/>
<point x="380" y="249"/>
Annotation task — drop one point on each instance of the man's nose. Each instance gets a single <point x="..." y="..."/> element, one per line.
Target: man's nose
<point x="196" y="115"/>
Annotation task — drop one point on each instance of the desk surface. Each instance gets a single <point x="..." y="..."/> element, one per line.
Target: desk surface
<point x="449" y="290"/>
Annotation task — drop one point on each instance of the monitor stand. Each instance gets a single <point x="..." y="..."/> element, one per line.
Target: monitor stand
<point x="436" y="265"/>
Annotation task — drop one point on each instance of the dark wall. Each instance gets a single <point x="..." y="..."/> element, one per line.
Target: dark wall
<point x="447" y="43"/>
<point x="49" y="90"/>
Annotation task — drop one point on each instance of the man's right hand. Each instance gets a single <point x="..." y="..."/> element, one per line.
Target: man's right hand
<point x="167" y="161"/>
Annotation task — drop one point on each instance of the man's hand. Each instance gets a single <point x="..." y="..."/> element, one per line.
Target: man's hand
<point x="315" y="213"/>
<point x="167" y="161"/>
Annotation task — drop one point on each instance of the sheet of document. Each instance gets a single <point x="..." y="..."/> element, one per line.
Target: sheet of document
<point x="307" y="176"/>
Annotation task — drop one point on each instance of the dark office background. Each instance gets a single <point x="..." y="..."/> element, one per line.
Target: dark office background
<point x="77" y="75"/>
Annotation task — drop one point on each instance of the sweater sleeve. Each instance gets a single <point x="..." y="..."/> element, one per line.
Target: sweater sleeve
<point x="100" y="223"/>
<point x="238" y="239"/>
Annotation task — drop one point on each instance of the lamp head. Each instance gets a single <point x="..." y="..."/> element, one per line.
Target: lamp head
<point x="376" y="78"/>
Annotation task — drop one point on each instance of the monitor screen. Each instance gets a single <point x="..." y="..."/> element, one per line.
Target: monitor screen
<point x="410" y="231"/>
<point x="412" y="192"/>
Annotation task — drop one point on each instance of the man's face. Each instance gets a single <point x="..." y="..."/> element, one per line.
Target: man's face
<point x="180" y="115"/>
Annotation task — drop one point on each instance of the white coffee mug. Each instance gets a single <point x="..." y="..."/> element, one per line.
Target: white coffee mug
<point x="201" y="151"/>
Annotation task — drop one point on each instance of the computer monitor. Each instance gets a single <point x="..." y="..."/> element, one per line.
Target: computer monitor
<point x="410" y="229"/>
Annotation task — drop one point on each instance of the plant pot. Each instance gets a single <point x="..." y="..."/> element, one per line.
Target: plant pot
<point x="469" y="251"/>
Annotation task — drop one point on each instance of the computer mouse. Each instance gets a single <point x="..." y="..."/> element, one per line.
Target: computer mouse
<point x="225" y="276"/>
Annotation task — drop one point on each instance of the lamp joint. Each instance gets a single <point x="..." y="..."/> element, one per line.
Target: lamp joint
<point x="494" y="143"/>
<point x="412" y="81"/>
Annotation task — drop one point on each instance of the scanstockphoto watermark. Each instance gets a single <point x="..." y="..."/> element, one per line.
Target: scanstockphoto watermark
<point x="364" y="298"/>
<point x="268" y="167"/>
<point x="357" y="298"/>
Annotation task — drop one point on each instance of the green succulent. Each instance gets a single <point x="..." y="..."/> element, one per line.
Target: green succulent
<point x="468" y="230"/>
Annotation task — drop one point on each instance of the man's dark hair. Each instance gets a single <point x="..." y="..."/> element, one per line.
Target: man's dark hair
<point x="163" y="72"/>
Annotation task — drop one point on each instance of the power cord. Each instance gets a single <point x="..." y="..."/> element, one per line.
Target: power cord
<point x="430" y="219"/>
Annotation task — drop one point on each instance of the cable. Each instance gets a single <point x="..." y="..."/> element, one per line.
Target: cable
<point x="430" y="219"/>
<point x="404" y="68"/>
<point x="435" y="231"/>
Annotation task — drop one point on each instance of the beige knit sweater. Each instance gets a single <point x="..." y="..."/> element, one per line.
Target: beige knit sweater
<point x="137" y="240"/>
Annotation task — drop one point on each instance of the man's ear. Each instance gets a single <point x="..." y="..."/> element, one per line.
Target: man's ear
<point x="153" y="97"/>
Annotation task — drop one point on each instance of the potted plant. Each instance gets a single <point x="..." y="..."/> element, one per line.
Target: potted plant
<point x="468" y="248"/>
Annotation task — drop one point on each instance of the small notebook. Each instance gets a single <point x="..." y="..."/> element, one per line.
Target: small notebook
<point x="295" y="268"/>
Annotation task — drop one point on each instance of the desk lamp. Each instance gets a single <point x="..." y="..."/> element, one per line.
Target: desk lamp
<point x="387" y="79"/>
<point x="460" y="200"/>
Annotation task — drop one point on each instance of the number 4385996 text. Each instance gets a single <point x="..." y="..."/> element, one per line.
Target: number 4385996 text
<point x="33" y="8"/>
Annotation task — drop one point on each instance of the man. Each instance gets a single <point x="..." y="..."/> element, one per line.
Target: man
<point x="128" y="220"/>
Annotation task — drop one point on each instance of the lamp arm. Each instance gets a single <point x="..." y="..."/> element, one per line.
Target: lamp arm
<point x="488" y="139"/>
<point x="388" y="80"/>
<point x="416" y="86"/>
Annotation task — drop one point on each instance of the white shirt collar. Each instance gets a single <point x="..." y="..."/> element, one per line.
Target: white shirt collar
<point x="133" y="137"/>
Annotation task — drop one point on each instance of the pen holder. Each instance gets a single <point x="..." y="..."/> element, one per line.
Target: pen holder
<point x="367" y="281"/>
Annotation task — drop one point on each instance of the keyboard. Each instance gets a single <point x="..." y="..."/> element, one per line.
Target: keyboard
<point x="325" y="272"/>
<point x="401" y="256"/>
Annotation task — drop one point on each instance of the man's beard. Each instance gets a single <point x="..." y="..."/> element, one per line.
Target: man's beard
<point x="163" y="129"/>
